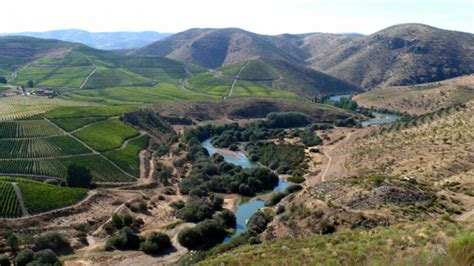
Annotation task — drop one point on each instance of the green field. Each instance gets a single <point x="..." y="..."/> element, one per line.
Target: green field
<point x="27" y="129"/>
<point x="106" y="77"/>
<point x="54" y="76"/>
<point x="41" y="197"/>
<point x="70" y="124"/>
<point x="258" y="70"/>
<point x="252" y="89"/>
<point x="233" y="69"/>
<point x="164" y="93"/>
<point x="40" y="147"/>
<point x="102" y="170"/>
<point x="106" y="135"/>
<point x="207" y="83"/>
<point x="88" y="112"/>
<point x="127" y="158"/>
<point x="9" y="205"/>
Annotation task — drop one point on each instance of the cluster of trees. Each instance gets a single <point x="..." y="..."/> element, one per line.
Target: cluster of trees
<point x="204" y="235"/>
<point x="348" y="122"/>
<point x="127" y="239"/>
<point x="199" y="208"/>
<point x="3" y="80"/>
<point x="284" y="158"/>
<point x="276" y="197"/>
<point x="44" y="249"/>
<point x="287" y="120"/>
<point x="216" y="175"/>
<point x="119" y="221"/>
<point x="78" y="176"/>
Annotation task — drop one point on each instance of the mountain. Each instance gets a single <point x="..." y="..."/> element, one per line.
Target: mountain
<point x="217" y="47"/>
<point x="400" y="55"/>
<point x="99" y="40"/>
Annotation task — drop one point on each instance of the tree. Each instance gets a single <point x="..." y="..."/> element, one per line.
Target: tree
<point x="12" y="241"/>
<point x="4" y="261"/>
<point x="30" y="84"/>
<point x="3" y="80"/>
<point x="24" y="257"/>
<point x="52" y="240"/>
<point x="78" y="176"/>
<point x="155" y="243"/>
<point x="45" y="257"/>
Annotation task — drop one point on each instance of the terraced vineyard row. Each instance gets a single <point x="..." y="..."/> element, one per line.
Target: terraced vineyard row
<point x="102" y="170"/>
<point x="27" y="129"/>
<point x="43" y="147"/>
<point x="9" y="205"/>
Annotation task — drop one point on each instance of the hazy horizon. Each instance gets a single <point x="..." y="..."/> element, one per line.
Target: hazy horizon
<point x="264" y="17"/>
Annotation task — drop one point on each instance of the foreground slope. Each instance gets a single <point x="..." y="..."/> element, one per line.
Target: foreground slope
<point x="420" y="99"/>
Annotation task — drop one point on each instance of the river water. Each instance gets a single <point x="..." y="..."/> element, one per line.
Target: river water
<point x="245" y="210"/>
<point x="380" y="118"/>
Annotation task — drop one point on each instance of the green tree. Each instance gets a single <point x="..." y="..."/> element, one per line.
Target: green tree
<point x="30" y="84"/>
<point x="3" y="80"/>
<point x="12" y="241"/>
<point x="78" y="176"/>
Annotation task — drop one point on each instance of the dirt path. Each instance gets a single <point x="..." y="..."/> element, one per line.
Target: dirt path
<point x="93" y="123"/>
<point x="19" y="196"/>
<point x="90" y="75"/>
<point x="330" y="163"/>
<point x="237" y="76"/>
<point x="465" y="216"/>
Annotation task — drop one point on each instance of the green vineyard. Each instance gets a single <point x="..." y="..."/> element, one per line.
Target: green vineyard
<point x="27" y="129"/>
<point x="40" y="147"/>
<point x="102" y="170"/>
<point x="9" y="205"/>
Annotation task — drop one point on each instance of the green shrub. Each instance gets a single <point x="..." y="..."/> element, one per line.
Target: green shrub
<point x="275" y="198"/>
<point x="203" y="236"/>
<point x="227" y="218"/>
<point x="45" y="257"/>
<point x="24" y="257"/>
<point x="117" y="221"/>
<point x="125" y="239"/>
<point x="4" y="261"/>
<point x="293" y="188"/>
<point x="54" y="241"/>
<point x="287" y="120"/>
<point x="78" y="176"/>
<point x="155" y="243"/>
<point x="257" y="223"/>
<point x="461" y="249"/>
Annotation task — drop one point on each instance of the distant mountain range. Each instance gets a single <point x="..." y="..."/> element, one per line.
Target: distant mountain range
<point x="99" y="40"/>
<point x="399" y="55"/>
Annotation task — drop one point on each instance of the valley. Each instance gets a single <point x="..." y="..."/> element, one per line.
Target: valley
<point x="226" y="147"/>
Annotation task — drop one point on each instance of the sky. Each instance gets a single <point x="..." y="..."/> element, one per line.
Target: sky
<point x="260" y="16"/>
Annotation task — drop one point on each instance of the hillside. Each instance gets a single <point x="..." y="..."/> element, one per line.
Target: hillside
<point x="401" y="55"/>
<point x="420" y="99"/>
<point x="99" y="40"/>
<point x="216" y="47"/>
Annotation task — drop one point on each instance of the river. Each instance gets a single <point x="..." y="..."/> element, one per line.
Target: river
<point x="380" y="118"/>
<point x="245" y="210"/>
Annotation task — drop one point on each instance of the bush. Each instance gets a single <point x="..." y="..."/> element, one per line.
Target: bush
<point x="143" y="206"/>
<point x="4" y="261"/>
<point x="125" y="239"/>
<point x="3" y="80"/>
<point x="24" y="257"/>
<point x="177" y="205"/>
<point x="327" y="227"/>
<point x="227" y="218"/>
<point x="461" y="249"/>
<point x="117" y="221"/>
<point x="196" y="210"/>
<point x="280" y="209"/>
<point x="257" y="223"/>
<point x="204" y="235"/>
<point x="293" y="188"/>
<point x="155" y="243"/>
<point x="54" y="241"/>
<point x="45" y="257"/>
<point x="12" y="241"/>
<point x="275" y="198"/>
<point x="296" y="178"/>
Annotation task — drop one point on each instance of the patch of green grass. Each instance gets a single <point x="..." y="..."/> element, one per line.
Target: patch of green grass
<point x="9" y="205"/>
<point x="40" y="147"/>
<point x="258" y="70"/>
<point x="233" y="69"/>
<point x="54" y="76"/>
<point x="107" y="77"/>
<point x="106" y="135"/>
<point x="127" y="158"/>
<point x="252" y="89"/>
<point x="27" y="129"/>
<point x="70" y="124"/>
<point x="207" y="83"/>
<point x="41" y="197"/>
<point x="88" y="112"/>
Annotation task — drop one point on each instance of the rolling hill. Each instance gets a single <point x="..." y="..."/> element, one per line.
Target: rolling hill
<point x="99" y="40"/>
<point x="399" y="55"/>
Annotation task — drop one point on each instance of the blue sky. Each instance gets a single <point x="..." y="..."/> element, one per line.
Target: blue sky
<point x="261" y="16"/>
